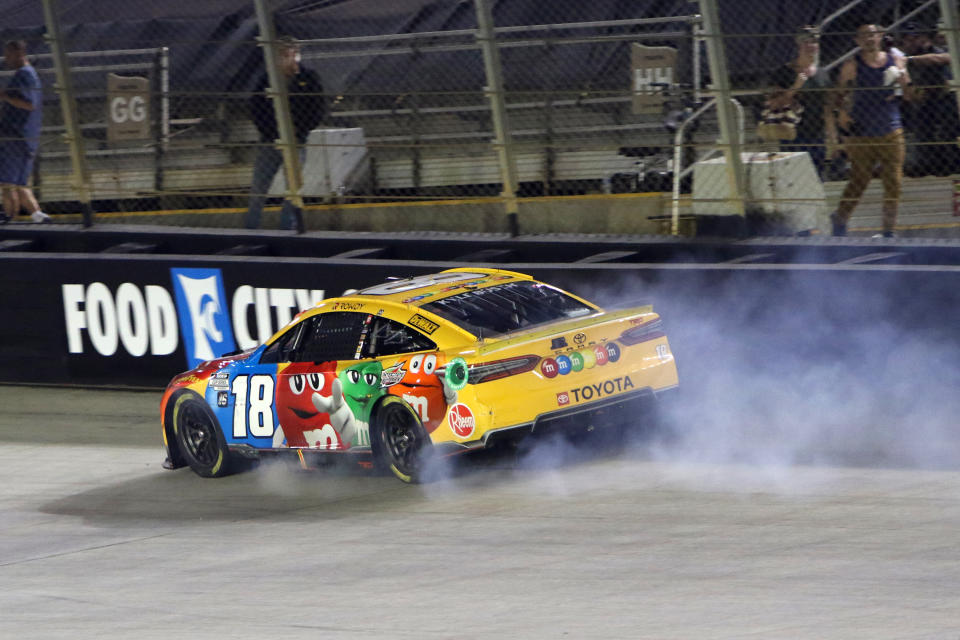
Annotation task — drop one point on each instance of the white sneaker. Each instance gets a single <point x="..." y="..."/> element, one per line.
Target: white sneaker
<point x="40" y="216"/>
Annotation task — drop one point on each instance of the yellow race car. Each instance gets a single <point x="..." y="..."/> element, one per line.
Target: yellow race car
<point x="432" y="365"/>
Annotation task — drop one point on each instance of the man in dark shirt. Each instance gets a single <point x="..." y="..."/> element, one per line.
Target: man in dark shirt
<point x="802" y="82"/>
<point x="21" y="115"/>
<point x="931" y="109"/>
<point x="306" y="110"/>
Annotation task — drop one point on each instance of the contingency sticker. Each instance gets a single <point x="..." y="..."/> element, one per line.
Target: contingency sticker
<point x="427" y="326"/>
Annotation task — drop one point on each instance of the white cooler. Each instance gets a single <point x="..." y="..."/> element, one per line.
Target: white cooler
<point x="335" y="159"/>
<point x="784" y="185"/>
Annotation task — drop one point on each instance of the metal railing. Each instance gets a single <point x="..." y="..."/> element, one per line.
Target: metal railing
<point x="491" y="124"/>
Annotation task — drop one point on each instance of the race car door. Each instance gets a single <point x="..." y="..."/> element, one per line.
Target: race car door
<point x="319" y="380"/>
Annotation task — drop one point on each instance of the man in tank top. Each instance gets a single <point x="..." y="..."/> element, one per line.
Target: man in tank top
<point x="869" y="110"/>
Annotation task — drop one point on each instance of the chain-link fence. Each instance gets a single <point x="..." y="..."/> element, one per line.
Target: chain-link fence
<point x="603" y="117"/>
<point x="853" y="101"/>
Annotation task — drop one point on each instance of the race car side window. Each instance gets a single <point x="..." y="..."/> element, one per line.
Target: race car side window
<point x="330" y="336"/>
<point x="282" y="349"/>
<point x="387" y="338"/>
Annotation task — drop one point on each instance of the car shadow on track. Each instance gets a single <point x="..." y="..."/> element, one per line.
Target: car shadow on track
<point x="280" y="491"/>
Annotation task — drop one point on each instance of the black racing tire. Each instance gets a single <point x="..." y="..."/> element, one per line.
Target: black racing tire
<point x="400" y="443"/>
<point x="199" y="437"/>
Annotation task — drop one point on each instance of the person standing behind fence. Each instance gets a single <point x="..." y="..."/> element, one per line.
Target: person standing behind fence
<point x="874" y="123"/>
<point x="931" y="108"/>
<point x="20" y="119"/>
<point x="307" y="110"/>
<point x="802" y="82"/>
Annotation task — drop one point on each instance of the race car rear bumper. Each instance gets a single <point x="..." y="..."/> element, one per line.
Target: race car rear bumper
<point x="627" y="408"/>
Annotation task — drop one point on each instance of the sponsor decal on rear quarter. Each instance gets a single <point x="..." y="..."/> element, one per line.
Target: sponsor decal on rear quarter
<point x="461" y="420"/>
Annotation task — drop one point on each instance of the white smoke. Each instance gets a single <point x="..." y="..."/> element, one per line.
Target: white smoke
<point x="833" y="378"/>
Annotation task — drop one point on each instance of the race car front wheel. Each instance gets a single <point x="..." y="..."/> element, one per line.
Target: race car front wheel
<point x="198" y="435"/>
<point x="400" y="441"/>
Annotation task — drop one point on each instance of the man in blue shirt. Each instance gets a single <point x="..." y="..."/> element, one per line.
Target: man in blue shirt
<point x="870" y="111"/>
<point x="21" y="114"/>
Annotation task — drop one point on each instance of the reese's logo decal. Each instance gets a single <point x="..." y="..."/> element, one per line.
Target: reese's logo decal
<point x="423" y="324"/>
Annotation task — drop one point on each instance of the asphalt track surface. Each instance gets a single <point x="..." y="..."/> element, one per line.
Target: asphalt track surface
<point x="96" y="540"/>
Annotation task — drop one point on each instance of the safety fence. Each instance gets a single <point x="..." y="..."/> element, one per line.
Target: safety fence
<point x="488" y="115"/>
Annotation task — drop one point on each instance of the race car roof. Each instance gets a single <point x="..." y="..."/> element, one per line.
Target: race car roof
<point x="429" y="288"/>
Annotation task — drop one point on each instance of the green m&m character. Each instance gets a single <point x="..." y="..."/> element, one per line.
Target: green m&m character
<point x="361" y="388"/>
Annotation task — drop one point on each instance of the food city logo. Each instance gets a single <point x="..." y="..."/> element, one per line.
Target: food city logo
<point x="147" y="318"/>
<point x="585" y="358"/>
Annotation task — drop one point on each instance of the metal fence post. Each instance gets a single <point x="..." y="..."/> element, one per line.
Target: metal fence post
<point x="161" y="120"/>
<point x="416" y="128"/>
<point x="281" y="107"/>
<point x="950" y="16"/>
<point x="494" y="90"/>
<point x="80" y="180"/>
<point x="720" y="85"/>
<point x="165" y="97"/>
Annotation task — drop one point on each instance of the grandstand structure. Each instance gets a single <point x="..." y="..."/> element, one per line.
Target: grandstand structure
<point x="410" y="76"/>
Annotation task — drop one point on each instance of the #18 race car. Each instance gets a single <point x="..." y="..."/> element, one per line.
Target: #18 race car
<point x="428" y="366"/>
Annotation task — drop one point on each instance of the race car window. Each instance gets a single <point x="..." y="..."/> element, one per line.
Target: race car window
<point x="282" y="349"/>
<point x="387" y="338"/>
<point x="320" y="338"/>
<point x="332" y="336"/>
<point x="508" y="307"/>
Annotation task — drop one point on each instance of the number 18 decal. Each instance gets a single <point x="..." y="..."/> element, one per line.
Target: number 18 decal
<point x="253" y="406"/>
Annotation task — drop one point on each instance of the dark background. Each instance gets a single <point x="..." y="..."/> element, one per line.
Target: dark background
<point x="212" y="42"/>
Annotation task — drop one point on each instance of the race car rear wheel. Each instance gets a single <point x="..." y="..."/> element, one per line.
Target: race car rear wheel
<point x="400" y="441"/>
<point x="198" y="434"/>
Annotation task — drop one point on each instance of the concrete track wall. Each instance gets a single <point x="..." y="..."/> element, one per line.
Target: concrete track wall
<point x="113" y="319"/>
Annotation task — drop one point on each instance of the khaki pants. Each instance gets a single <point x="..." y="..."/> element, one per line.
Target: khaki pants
<point x="865" y="153"/>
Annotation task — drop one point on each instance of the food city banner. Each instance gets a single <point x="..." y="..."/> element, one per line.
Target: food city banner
<point x="138" y="320"/>
<point x="127" y="321"/>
